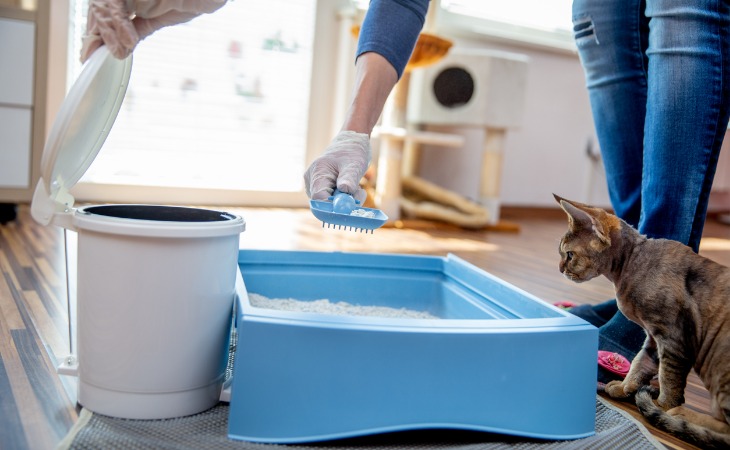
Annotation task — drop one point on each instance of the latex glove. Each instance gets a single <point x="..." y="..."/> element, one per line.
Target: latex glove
<point x="342" y="165"/>
<point x="121" y="24"/>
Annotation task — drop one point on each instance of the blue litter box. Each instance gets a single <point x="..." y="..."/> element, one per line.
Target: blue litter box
<point x="497" y="359"/>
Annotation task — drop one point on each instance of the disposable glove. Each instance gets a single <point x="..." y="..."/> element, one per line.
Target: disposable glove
<point x="121" y="24"/>
<point x="342" y="165"/>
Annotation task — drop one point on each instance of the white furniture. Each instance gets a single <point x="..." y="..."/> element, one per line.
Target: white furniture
<point x="17" y="50"/>
<point x="24" y="66"/>
<point x="472" y="88"/>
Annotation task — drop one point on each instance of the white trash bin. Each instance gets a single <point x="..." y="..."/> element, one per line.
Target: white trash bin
<point x="156" y="284"/>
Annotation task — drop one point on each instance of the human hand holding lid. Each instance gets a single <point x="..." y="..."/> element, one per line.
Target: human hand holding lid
<point x="121" y="24"/>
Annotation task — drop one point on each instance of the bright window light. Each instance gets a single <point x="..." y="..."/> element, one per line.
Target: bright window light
<point x="220" y="102"/>
<point x="547" y="15"/>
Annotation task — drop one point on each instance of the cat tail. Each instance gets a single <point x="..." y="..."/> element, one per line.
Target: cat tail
<point x="697" y="435"/>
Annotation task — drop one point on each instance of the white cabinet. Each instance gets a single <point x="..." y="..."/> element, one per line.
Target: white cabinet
<point x="17" y="54"/>
<point x="15" y="147"/>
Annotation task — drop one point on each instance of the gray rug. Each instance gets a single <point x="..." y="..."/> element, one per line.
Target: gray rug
<point x="615" y="429"/>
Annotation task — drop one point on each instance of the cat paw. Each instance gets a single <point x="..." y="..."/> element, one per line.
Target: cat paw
<point x="666" y="402"/>
<point x="617" y="389"/>
<point x="680" y="411"/>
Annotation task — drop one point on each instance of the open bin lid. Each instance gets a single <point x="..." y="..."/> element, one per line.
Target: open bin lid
<point x="82" y="125"/>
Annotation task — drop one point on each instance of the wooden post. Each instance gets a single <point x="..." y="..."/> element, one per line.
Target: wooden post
<point x="388" y="180"/>
<point x="491" y="178"/>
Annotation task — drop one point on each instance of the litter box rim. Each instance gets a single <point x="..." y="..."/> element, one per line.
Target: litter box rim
<point x="449" y="266"/>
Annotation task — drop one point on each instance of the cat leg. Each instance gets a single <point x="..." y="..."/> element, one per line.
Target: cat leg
<point x="673" y="371"/>
<point x="643" y="368"/>
<point x="703" y="420"/>
<point x="720" y="407"/>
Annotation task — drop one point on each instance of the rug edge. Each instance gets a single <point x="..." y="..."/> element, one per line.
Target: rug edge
<point x="641" y="427"/>
<point x="83" y="420"/>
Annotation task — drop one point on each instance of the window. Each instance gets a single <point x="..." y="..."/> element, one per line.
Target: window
<point x="542" y="23"/>
<point x="551" y="15"/>
<point x="545" y="23"/>
<point x="220" y="103"/>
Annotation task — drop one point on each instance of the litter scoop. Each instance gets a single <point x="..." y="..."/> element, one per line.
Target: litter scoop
<point x="342" y="210"/>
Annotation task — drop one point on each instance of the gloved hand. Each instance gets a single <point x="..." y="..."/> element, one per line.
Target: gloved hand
<point x="342" y="165"/>
<point x="121" y="24"/>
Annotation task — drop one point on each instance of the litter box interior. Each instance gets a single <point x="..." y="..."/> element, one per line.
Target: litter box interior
<point x="443" y="288"/>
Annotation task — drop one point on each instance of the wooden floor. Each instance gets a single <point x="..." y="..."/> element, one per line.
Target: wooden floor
<point x="37" y="406"/>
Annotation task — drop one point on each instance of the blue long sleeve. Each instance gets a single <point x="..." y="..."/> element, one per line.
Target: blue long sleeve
<point x="391" y="29"/>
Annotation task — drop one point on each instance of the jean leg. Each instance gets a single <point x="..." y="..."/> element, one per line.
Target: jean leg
<point x="611" y="40"/>
<point x="686" y="114"/>
<point x="682" y="48"/>
<point x="611" y="36"/>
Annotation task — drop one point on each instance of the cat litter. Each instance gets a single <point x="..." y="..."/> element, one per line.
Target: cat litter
<point x="325" y="306"/>
<point x="363" y="213"/>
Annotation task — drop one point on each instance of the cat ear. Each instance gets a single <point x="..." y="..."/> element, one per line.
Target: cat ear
<point x="577" y="218"/>
<point x="582" y="217"/>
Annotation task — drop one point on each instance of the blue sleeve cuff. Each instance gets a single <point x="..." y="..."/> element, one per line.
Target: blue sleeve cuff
<point x="391" y="29"/>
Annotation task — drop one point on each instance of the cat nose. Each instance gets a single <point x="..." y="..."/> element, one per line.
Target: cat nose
<point x="562" y="267"/>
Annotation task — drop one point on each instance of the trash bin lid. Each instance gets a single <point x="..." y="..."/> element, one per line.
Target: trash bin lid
<point x="81" y="126"/>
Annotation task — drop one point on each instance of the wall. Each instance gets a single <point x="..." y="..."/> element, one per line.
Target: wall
<point x="720" y="195"/>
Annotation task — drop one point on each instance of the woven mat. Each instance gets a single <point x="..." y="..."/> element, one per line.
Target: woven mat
<point x="208" y="430"/>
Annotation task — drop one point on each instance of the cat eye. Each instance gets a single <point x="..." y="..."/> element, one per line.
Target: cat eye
<point x="568" y="256"/>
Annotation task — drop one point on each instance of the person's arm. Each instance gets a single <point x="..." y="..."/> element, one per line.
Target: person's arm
<point x="387" y="38"/>
<point x="374" y="80"/>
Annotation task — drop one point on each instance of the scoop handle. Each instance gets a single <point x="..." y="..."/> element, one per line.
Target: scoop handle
<point x="343" y="203"/>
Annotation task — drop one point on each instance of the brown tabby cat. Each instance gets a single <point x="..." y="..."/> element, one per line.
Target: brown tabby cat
<point x="681" y="300"/>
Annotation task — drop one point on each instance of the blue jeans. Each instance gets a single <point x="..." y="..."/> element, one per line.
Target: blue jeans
<point x="658" y="77"/>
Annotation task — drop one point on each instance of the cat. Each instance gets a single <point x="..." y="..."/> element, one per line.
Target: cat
<point x="679" y="298"/>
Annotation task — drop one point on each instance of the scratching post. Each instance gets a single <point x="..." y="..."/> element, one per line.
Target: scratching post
<point x="491" y="172"/>
<point x="388" y="184"/>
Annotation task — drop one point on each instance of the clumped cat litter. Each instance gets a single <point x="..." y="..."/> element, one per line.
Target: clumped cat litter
<point x="325" y="306"/>
<point x="363" y="213"/>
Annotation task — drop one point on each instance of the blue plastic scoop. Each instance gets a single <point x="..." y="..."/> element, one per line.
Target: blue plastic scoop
<point x="342" y="210"/>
